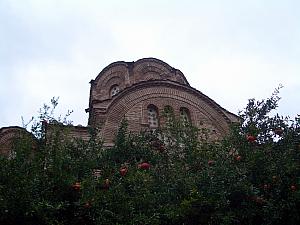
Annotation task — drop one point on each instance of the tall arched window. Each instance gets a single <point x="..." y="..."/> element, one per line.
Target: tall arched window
<point x="114" y="90"/>
<point x="185" y="115"/>
<point x="152" y="117"/>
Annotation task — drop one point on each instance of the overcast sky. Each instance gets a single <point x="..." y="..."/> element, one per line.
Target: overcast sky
<point x="231" y="50"/>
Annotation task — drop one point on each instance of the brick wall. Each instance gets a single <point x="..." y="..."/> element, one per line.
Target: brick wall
<point x="148" y="81"/>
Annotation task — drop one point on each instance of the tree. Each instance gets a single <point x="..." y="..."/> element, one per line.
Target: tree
<point x="160" y="177"/>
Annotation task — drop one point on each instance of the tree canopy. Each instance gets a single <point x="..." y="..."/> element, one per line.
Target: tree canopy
<point x="175" y="175"/>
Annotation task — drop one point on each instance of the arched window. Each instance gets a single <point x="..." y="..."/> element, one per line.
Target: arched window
<point x="114" y="90"/>
<point x="152" y="117"/>
<point x="185" y="115"/>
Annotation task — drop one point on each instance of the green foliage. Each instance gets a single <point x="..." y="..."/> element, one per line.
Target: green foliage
<point x="170" y="176"/>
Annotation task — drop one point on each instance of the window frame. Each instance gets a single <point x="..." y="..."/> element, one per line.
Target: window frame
<point x="154" y="117"/>
<point x="111" y="90"/>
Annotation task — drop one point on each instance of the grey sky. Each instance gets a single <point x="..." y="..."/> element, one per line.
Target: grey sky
<point x="231" y="50"/>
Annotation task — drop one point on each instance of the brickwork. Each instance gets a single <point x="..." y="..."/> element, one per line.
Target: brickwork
<point x="133" y="105"/>
<point x="8" y="136"/>
<point x="127" y="89"/>
<point x="147" y="82"/>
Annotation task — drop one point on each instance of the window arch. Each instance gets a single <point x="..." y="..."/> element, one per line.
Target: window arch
<point x="185" y="115"/>
<point x="114" y="90"/>
<point x="152" y="117"/>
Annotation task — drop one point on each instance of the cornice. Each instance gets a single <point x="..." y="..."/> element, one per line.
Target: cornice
<point x="135" y="63"/>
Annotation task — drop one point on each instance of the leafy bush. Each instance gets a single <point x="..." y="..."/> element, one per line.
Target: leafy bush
<point x="170" y="176"/>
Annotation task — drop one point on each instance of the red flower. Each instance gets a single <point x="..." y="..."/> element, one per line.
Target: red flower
<point x="144" y="166"/>
<point x="251" y="138"/>
<point x="123" y="171"/>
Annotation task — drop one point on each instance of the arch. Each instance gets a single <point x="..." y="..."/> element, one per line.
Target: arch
<point x="126" y="74"/>
<point x="113" y="79"/>
<point x="144" y="67"/>
<point x="8" y="136"/>
<point x="114" y="90"/>
<point x="153" y="121"/>
<point x="203" y="108"/>
<point x="114" y="74"/>
<point x="151" y="76"/>
<point x="119" y="66"/>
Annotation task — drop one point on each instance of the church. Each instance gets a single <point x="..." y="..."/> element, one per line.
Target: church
<point x="139" y="92"/>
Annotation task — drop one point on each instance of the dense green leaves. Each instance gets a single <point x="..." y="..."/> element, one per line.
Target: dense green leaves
<point x="172" y="176"/>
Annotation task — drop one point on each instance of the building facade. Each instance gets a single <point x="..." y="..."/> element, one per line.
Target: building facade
<point x="139" y="92"/>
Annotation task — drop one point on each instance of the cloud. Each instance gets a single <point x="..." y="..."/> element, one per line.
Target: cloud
<point x="230" y="50"/>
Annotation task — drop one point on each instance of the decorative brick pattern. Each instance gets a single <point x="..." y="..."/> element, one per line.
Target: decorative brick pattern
<point x="146" y="82"/>
<point x="150" y="81"/>
<point x="160" y="96"/>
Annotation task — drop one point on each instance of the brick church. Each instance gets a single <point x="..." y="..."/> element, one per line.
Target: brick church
<point x="139" y="92"/>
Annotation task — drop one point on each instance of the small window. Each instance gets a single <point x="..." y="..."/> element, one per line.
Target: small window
<point x="152" y="117"/>
<point x="114" y="90"/>
<point x="185" y="115"/>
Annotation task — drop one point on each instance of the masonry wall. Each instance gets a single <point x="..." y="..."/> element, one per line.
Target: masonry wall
<point x="133" y="103"/>
<point x="147" y="81"/>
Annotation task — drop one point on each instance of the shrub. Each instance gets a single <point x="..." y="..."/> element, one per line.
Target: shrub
<point x="161" y="177"/>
